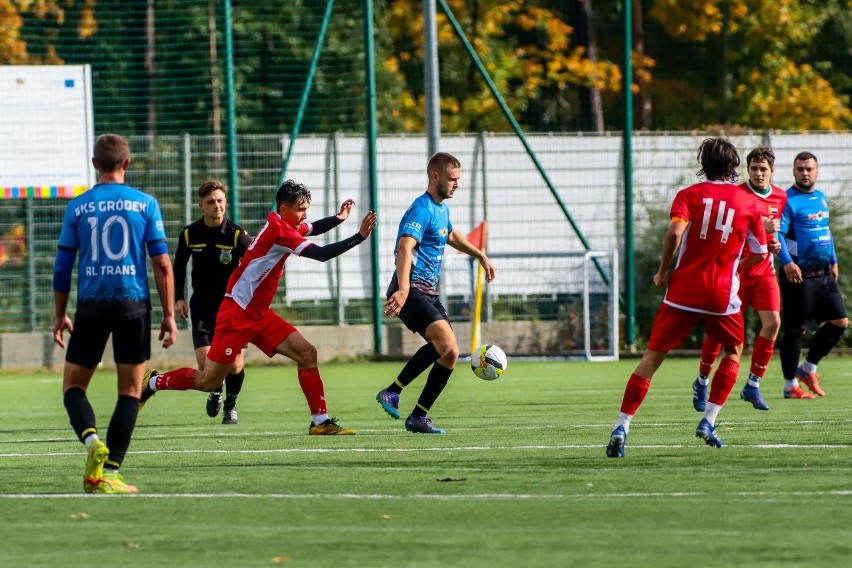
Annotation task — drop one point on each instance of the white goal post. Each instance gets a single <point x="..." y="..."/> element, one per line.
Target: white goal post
<point x="571" y="300"/>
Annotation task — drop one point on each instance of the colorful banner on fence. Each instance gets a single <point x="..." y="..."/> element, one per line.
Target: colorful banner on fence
<point x="42" y="192"/>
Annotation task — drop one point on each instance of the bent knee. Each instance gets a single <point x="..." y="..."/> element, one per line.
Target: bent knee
<point x="307" y="356"/>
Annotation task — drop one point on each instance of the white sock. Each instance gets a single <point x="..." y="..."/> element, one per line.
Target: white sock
<point x="152" y="382"/>
<point x="711" y="412"/>
<point x="808" y="367"/>
<point x="90" y="439"/>
<point x="753" y="380"/>
<point x="319" y="418"/>
<point x="703" y="380"/>
<point x="623" y="421"/>
<point x="791" y="384"/>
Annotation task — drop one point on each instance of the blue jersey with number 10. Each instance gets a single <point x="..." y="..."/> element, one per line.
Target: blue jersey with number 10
<point x="110" y="226"/>
<point x="429" y="224"/>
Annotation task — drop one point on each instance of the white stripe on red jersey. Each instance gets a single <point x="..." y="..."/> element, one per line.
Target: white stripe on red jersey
<point x="254" y="282"/>
<point x="721" y="218"/>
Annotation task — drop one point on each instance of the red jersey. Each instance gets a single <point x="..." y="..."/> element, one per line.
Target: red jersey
<point x="720" y="219"/>
<point x="771" y="205"/>
<point x="254" y="282"/>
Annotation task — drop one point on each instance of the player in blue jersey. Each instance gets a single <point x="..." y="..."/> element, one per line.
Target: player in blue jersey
<point x="809" y="290"/>
<point x="110" y="227"/>
<point x="424" y="231"/>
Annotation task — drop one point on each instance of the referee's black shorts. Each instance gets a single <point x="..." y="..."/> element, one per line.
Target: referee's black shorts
<point x="203" y="326"/>
<point x="816" y="299"/>
<point x="420" y="310"/>
<point x="131" y="340"/>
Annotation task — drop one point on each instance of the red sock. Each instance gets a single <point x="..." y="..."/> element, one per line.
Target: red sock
<point x="723" y="381"/>
<point x="311" y="383"/>
<point x="634" y="394"/>
<point x="709" y="352"/>
<point x="761" y="355"/>
<point x="177" y="380"/>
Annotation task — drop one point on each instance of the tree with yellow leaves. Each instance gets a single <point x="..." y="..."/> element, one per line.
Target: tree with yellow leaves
<point x="760" y="62"/>
<point x="526" y="48"/>
<point x="13" y="47"/>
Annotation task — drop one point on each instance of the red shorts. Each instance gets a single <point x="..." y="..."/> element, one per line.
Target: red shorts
<point x="672" y="326"/>
<point x="761" y="293"/>
<point x="235" y="328"/>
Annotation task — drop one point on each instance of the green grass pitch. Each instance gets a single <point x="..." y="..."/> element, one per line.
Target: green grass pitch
<point x="520" y="479"/>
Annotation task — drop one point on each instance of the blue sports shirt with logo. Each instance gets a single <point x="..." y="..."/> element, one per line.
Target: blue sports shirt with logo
<point x="110" y="226"/>
<point x="806" y="238"/>
<point x="429" y="224"/>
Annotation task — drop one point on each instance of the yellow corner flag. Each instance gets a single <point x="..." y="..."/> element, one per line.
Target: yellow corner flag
<point x="478" y="238"/>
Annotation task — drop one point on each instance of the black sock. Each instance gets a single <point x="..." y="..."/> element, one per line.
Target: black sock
<point x="823" y="341"/>
<point x="418" y="363"/>
<point x="233" y="386"/>
<point x="80" y="412"/>
<point x="435" y="383"/>
<point x="791" y="350"/>
<point x="120" y="430"/>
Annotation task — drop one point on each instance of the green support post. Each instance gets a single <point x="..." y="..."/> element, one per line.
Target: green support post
<point x="370" y="69"/>
<point x="629" y="264"/>
<point x="306" y="92"/>
<point x="233" y="172"/>
<point x="517" y="129"/>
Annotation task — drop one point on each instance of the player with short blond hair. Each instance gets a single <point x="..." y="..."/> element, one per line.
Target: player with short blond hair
<point x="424" y="232"/>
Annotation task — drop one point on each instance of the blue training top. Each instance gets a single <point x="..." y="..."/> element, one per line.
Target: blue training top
<point x="429" y="224"/>
<point x="110" y="225"/>
<point x="806" y="238"/>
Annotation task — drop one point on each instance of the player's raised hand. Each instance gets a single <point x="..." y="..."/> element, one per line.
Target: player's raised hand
<point x="368" y="223"/>
<point x="345" y="209"/>
<point x="59" y="327"/>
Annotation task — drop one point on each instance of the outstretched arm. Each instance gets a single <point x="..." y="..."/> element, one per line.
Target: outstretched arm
<point x="327" y="252"/>
<point x="459" y="242"/>
<point x="328" y="223"/>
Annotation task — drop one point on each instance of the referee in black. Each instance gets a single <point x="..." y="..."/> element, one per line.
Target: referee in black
<point x="215" y="245"/>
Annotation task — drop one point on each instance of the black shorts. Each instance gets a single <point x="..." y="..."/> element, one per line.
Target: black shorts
<point x="203" y="328"/>
<point x="420" y="310"/>
<point x="131" y="340"/>
<point x="816" y="299"/>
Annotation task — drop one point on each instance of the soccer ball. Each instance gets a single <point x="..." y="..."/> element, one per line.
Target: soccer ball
<point x="488" y="362"/>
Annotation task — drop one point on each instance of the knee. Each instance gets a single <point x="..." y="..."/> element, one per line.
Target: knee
<point x="307" y="356"/>
<point x="448" y="350"/>
<point x="771" y="326"/>
<point x="732" y="353"/>
<point x="841" y="323"/>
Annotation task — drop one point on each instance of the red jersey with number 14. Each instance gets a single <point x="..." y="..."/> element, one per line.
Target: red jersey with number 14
<point x="721" y="218"/>
<point x="772" y="205"/>
<point x="253" y="283"/>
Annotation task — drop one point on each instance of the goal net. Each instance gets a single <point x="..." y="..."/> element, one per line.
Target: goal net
<point x="542" y="304"/>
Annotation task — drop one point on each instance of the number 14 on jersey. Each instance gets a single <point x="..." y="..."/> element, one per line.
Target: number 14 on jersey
<point x="724" y="223"/>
